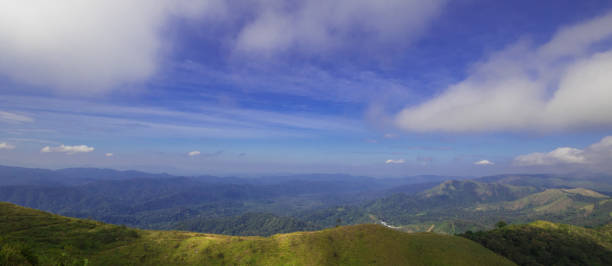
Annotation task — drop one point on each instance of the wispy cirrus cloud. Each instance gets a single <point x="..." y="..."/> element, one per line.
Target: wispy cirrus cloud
<point x="349" y="84"/>
<point x="14" y="118"/>
<point x="204" y="120"/>
<point x="511" y="89"/>
<point x="67" y="149"/>
<point x="193" y="153"/>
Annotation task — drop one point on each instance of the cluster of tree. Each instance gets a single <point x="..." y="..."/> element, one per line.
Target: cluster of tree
<point x="263" y="224"/>
<point x="528" y="245"/>
<point x="17" y="254"/>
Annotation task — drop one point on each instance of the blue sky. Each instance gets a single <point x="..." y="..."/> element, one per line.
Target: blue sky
<point x="380" y="88"/>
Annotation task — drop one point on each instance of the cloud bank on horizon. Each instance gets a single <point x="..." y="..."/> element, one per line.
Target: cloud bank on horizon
<point x="14" y="118"/>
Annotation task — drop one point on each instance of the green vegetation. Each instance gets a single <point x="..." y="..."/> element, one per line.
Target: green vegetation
<point x="602" y="183"/>
<point x="270" y="205"/>
<point x="35" y="237"/>
<point x="262" y="224"/>
<point x="451" y="200"/>
<point x="546" y="243"/>
<point x="460" y="206"/>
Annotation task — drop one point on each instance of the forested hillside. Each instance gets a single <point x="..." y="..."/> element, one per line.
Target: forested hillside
<point x="282" y="204"/>
<point x="35" y="237"/>
<point x="545" y="243"/>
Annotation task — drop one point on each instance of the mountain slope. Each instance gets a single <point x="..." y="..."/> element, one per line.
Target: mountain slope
<point x="551" y="201"/>
<point x="451" y="199"/>
<point x="34" y="236"/>
<point x="601" y="183"/>
<point x="457" y="206"/>
<point x="469" y="191"/>
<point x="576" y="206"/>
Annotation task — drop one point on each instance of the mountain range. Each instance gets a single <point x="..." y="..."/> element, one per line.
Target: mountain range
<point x="284" y="204"/>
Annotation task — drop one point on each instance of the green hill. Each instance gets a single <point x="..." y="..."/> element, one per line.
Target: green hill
<point x="36" y="237"/>
<point x="469" y="191"/>
<point x="550" y="201"/>
<point x="458" y="206"/>
<point x="578" y="205"/>
<point x="546" y="243"/>
<point x="446" y="205"/>
<point x="602" y="183"/>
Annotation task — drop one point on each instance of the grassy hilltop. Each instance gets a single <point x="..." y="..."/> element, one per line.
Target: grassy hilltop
<point x="36" y="237"/>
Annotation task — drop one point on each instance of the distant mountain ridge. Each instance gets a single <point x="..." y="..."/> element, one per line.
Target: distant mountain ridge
<point x="163" y="201"/>
<point x="276" y="204"/>
<point x="457" y="206"/>
<point x="599" y="183"/>
<point x="469" y="191"/>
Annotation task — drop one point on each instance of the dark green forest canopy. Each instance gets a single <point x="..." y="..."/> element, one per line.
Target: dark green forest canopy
<point x="545" y="243"/>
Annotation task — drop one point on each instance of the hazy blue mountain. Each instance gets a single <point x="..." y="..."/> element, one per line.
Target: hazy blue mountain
<point x="601" y="183"/>
<point x="161" y="200"/>
<point x="299" y="202"/>
<point x="11" y="176"/>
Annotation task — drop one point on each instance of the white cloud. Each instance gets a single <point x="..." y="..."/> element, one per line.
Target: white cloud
<point x="87" y="46"/>
<point x="6" y="146"/>
<point x="91" y="47"/>
<point x="558" y="155"/>
<point x="12" y="117"/>
<point x="68" y="149"/>
<point x="398" y="161"/>
<point x="193" y="153"/>
<point x="597" y="155"/>
<point x="109" y="154"/>
<point x="562" y="84"/>
<point x="319" y="25"/>
<point x="484" y="162"/>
